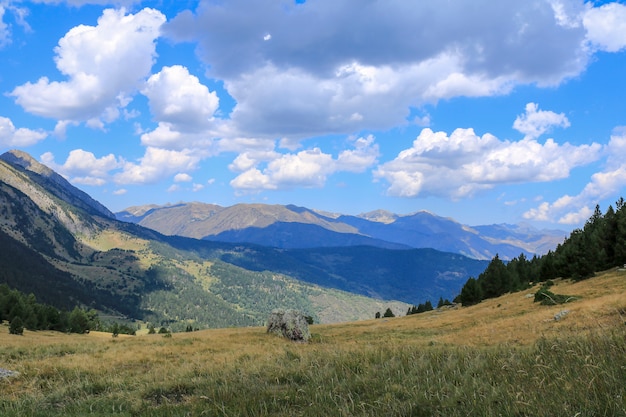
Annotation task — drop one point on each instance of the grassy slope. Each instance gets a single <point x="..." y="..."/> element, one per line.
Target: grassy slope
<point x="502" y="357"/>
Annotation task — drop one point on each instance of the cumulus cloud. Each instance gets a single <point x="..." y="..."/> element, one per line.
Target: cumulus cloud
<point x="185" y="110"/>
<point x="525" y="36"/>
<point x="535" y="122"/>
<point x="182" y="177"/>
<point x="10" y="136"/>
<point x="305" y="81"/>
<point x="84" y="167"/>
<point x="463" y="163"/>
<point x="604" y="184"/>
<point x="362" y="157"/>
<point x="104" y="64"/>
<point x="179" y="99"/>
<point x="606" y="26"/>
<point x="293" y="103"/>
<point x="158" y="164"/>
<point x="307" y="168"/>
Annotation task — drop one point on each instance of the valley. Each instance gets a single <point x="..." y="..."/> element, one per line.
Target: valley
<point x="69" y="250"/>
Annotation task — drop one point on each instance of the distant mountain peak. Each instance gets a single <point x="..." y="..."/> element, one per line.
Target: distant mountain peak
<point x="380" y="216"/>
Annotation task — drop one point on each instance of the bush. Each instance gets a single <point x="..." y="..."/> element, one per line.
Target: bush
<point x="548" y="298"/>
<point x="16" y="327"/>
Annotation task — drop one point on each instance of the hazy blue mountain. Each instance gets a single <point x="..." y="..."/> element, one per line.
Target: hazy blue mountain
<point x="300" y="235"/>
<point x="298" y="227"/>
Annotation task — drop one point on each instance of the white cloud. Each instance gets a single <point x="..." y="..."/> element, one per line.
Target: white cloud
<point x="463" y="163"/>
<point x="568" y="13"/>
<point x="158" y="164"/>
<point x="292" y="103"/>
<point x="308" y="81"/>
<point x="526" y="38"/>
<point x="253" y="180"/>
<point x="178" y="98"/>
<point x="84" y="167"/>
<point x="361" y="158"/>
<point x="10" y="136"/>
<point x="606" y="26"/>
<point x="535" y="122"/>
<point x="307" y="168"/>
<point x="604" y="184"/>
<point x="120" y="191"/>
<point x="182" y="177"/>
<point x="247" y="160"/>
<point x="105" y="65"/>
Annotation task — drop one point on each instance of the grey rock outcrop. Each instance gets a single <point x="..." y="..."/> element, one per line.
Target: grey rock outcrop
<point x="291" y="324"/>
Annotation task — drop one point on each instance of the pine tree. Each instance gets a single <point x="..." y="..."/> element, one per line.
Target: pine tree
<point x="495" y="281"/>
<point x="471" y="293"/>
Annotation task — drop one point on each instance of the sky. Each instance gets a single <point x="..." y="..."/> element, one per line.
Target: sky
<point x="487" y="112"/>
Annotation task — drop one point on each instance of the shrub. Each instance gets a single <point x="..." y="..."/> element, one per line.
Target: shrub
<point x="548" y="298"/>
<point x="16" y="327"/>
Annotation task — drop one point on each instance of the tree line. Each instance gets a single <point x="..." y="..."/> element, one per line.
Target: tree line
<point x="23" y="311"/>
<point x="599" y="245"/>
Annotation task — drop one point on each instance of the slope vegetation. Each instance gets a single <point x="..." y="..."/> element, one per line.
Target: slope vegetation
<point x="68" y="250"/>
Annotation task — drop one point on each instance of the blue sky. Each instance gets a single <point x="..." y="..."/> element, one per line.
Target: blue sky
<point x="483" y="111"/>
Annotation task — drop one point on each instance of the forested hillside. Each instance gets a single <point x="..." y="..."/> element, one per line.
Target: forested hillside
<point x="599" y="245"/>
<point x="67" y="250"/>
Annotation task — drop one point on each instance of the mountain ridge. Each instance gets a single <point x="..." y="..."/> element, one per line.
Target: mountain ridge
<point x="281" y="226"/>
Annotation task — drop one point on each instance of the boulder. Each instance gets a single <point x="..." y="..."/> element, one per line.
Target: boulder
<point x="291" y="324"/>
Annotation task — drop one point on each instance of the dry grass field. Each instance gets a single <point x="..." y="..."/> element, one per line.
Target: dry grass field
<point x="502" y="357"/>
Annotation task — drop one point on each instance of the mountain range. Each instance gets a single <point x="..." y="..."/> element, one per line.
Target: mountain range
<point x="67" y="249"/>
<point x="292" y="227"/>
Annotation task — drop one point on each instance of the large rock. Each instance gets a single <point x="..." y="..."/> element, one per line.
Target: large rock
<point x="291" y="324"/>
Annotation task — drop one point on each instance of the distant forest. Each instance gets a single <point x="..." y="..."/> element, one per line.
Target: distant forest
<point x="598" y="246"/>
